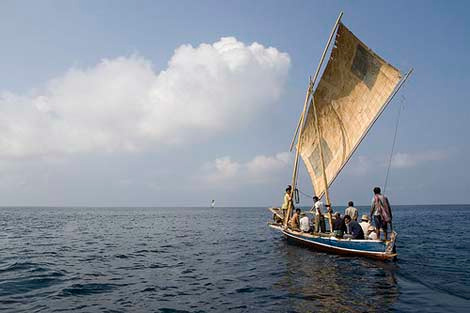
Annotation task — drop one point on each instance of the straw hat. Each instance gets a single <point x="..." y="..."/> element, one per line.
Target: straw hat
<point x="365" y="217"/>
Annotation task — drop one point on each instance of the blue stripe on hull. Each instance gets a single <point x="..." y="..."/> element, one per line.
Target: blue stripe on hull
<point x="362" y="245"/>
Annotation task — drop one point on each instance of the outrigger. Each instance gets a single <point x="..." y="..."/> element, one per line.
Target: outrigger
<point x="338" y="112"/>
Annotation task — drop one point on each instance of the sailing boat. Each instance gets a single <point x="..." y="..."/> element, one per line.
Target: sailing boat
<point x="353" y="91"/>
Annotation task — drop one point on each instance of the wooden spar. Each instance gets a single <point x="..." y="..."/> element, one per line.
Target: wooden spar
<point x="317" y="71"/>
<point x="300" y="125"/>
<point x="297" y="152"/>
<point x="325" y="182"/>
<point x="296" y="131"/>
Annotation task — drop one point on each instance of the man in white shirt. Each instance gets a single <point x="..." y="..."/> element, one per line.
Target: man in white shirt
<point x="351" y="211"/>
<point x="304" y="223"/>
<point x="317" y="209"/>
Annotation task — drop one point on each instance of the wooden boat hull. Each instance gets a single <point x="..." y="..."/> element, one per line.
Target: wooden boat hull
<point x="375" y="249"/>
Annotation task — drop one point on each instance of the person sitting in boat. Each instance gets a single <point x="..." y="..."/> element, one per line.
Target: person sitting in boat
<point x="354" y="229"/>
<point x="277" y="219"/>
<point x="317" y="209"/>
<point x="287" y="200"/>
<point x="339" y="227"/>
<point x="365" y="223"/>
<point x="351" y="211"/>
<point x="304" y="223"/>
<point x="372" y="233"/>
<point x="294" y="221"/>
<point x="381" y="211"/>
<point x="369" y="231"/>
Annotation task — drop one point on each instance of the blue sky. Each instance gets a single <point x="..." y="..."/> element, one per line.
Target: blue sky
<point x="140" y="104"/>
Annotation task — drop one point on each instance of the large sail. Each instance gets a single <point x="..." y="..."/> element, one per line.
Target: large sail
<point x="351" y="94"/>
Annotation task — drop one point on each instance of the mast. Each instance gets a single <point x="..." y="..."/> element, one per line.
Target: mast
<point x="297" y="153"/>
<point x="300" y="125"/>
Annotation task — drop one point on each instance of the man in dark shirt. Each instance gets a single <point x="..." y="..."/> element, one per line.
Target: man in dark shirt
<point x="338" y="220"/>
<point x="339" y="227"/>
<point x="355" y="230"/>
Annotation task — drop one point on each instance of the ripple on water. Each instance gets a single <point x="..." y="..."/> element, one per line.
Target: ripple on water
<point x="87" y="289"/>
<point x="19" y="266"/>
<point x="169" y="310"/>
<point x="250" y="289"/>
<point x="20" y="286"/>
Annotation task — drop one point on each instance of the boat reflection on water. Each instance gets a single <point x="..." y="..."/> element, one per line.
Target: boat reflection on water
<point x="320" y="282"/>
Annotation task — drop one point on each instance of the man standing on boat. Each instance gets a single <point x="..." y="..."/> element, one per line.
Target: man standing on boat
<point x="381" y="211"/>
<point x="317" y="209"/>
<point x="287" y="200"/>
<point x="351" y="211"/>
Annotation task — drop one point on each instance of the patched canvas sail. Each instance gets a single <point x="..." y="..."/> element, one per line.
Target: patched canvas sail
<point x="351" y="94"/>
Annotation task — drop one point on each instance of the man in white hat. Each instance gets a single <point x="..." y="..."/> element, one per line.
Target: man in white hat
<point x="365" y="224"/>
<point x="372" y="233"/>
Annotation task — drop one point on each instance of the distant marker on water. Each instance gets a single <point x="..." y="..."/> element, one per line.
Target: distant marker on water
<point x="213" y="204"/>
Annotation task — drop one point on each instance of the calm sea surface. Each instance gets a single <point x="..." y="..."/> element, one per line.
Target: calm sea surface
<point x="221" y="260"/>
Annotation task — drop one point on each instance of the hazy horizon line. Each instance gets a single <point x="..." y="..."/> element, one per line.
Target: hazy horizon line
<point x="201" y="206"/>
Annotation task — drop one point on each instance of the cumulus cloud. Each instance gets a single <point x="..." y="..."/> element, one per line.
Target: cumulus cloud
<point x="407" y="160"/>
<point x="260" y="169"/>
<point x="363" y="165"/>
<point x="122" y="104"/>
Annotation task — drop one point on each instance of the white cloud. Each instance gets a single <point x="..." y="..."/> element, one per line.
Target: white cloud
<point x="122" y="104"/>
<point x="260" y="169"/>
<point x="364" y="165"/>
<point x="407" y="160"/>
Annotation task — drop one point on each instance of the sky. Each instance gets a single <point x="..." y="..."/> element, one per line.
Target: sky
<point x="176" y="103"/>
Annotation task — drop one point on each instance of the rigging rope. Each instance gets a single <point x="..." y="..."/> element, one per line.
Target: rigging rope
<point x="305" y="195"/>
<point x="300" y="191"/>
<point x="401" y="106"/>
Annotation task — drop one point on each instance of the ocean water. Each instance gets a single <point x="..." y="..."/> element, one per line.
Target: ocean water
<point x="222" y="260"/>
